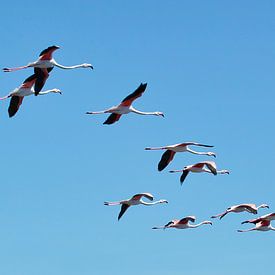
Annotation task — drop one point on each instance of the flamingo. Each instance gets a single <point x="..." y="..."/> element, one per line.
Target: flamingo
<point x="248" y="207"/>
<point x="135" y="200"/>
<point x="198" y="168"/>
<point x="26" y="89"/>
<point x="44" y="65"/>
<point x="126" y="107"/>
<point x="261" y="225"/>
<point x="171" y="150"/>
<point x="268" y="217"/>
<point x="182" y="224"/>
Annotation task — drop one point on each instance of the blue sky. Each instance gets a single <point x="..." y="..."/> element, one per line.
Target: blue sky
<point x="209" y="66"/>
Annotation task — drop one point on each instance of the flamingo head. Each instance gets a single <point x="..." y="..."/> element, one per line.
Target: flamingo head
<point x="211" y="154"/>
<point x="163" y="201"/>
<point x="87" y="65"/>
<point x="264" y="206"/>
<point x="159" y="114"/>
<point x="57" y="91"/>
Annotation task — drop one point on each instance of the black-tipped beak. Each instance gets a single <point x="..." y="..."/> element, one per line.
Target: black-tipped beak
<point x="92" y="67"/>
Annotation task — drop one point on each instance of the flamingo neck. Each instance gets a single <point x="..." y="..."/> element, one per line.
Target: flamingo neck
<point x="197" y="225"/>
<point x="132" y="109"/>
<point x="222" y="172"/>
<point x="198" y="153"/>
<point x="47" y="92"/>
<point x="68" y="67"/>
<point x="150" y="203"/>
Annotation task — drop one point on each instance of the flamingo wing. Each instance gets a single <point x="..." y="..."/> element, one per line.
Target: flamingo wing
<point x="41" y="77"/>
<point x="187" y="219"/>
<point x="47" y="53"/>
<point x="166" y="158"/>
<point x="28" y="82"/>
<point x="112" y="118"/>
<point x="124" y="207"/>
<point x="146" y="195"/>
<point x="169" y="223"/>
<point x="211" y="165"/>
<point x="15" y="103"/>
<point x="127" y="101"/>
<point x="183" y="176"/>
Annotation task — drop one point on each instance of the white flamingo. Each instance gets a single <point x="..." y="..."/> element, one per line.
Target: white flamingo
<point x="126" y="107"/>
<point x="199" y="168"/>
<point x="135" y="200"/>
<point x="26" y="89"/>
<point x="182" y="224"/>
<point x="171" y="150"/>
<point x="248" y="207"/>
<point x="44" y="65"/>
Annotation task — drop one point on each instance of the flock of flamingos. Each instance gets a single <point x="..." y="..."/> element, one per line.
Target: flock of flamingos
<point x="34" y="85"/>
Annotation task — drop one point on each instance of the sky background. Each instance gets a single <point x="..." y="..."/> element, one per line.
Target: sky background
<point x="210" y="68"/>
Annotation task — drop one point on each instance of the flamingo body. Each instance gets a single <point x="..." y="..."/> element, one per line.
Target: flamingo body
<point x="135" y="200"/>
<point x="245" y="207"/>
<point x="125" y="107"/>
<point x="171" y="150"/>
<point x="182" y="224"/>
<point x="199" y="168"/>
<point x="25" y="89"/>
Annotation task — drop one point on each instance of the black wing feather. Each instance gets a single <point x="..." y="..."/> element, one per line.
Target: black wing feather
<point x="165" y="159"/>
<point x="137" y="93"/>
<point x="183" y="176"/>
<point x="40" y="79"/>
<point x="15" y="103"/>
<point x="112" y="118"/>
<point x="124" y="207"/>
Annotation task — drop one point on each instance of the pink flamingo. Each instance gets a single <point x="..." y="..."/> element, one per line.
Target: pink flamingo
<point x="182" y="224"/>
<point x="261" y="225"/>
<point x="135" y="200"/>
<point x="199" y="168"/>
<point x="126" y="107"/>
<point x="18" y="94"/>
<point x="171" y="150"/>
<point x="248" y="207"/>
<point x="44" y="65"/>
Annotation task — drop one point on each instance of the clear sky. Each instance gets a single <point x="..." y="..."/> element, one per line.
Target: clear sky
<point x="210" y="68"/>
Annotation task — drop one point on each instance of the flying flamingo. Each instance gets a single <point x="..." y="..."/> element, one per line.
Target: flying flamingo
<point x="44" y="65"/>
<point x="182" y="224"/>
<point x="135" y="200"/>
<point x="126" y="107"/>
<point x="26" y="89"/>
<point x="171" y="150"/>
<point x="198" y="168"/>
<point x="268" y="217"/>
<point x="261" y="225"/>
<point x="248" y="207"/>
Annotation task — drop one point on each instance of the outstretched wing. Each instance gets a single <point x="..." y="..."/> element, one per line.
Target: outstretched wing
<point x="187" y="219"/>
<point x="47" y="53"/>
<point x="166" y="158"/>
<point x="124" y="207"/>
<point x="15" y="103"/>
<point x="183" y="176"/>
<point x="127" y="101"/>
<point x="112" y="118"/>
<point x="146" y="195"/>
<point x="211" y="165"/>
<point x="28" y="82"/>
<point x="41" y="77"/>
